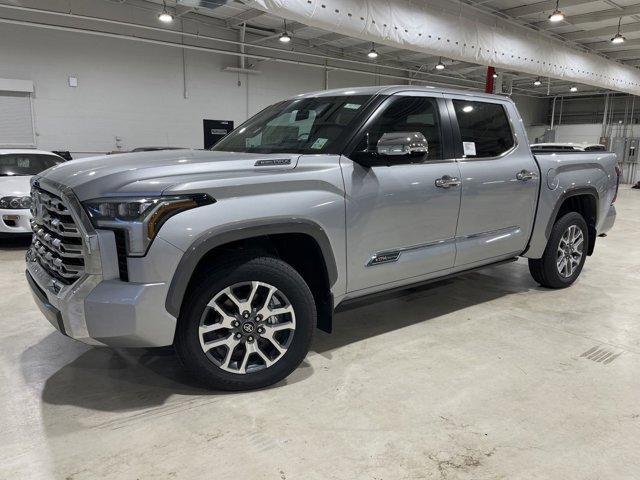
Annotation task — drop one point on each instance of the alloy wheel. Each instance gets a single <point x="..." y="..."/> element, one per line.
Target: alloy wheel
<point x="570" y="251"/>
<point x="247" y="327"/>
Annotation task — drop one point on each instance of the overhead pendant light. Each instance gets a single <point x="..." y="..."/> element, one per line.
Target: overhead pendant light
<point x="618" y="37"/>
<point x="440" y="65"/>
<point x="537" y="82"/>
<point x="557" y="15"/>
<point x="165" y="16"/>
<point x="372" y="53"/>
<point x="284" y="36"/>
<point x="495" y="75"/>
<point x="573" y="89"/>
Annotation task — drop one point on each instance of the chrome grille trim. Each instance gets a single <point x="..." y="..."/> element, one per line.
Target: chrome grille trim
<point x="57" y="243"/>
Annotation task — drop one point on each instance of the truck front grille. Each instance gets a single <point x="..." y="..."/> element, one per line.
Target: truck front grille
<point x="57" y="241"/>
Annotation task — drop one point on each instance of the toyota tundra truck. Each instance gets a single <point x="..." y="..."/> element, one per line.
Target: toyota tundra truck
<point x="235" y="256"/>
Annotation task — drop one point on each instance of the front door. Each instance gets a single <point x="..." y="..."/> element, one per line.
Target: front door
<point x="500" y="182"/>
<point x="400" y="225"/>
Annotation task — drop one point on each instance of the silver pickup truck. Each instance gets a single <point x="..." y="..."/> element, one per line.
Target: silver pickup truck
<point x="236" y="255"/>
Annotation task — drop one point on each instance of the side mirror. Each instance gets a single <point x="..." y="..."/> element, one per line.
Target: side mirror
<point x="402" y="143"/>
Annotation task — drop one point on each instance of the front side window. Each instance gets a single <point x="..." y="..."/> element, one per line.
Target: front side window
<point x="407" y="115"/>
<point x="304" y="125"/>
<point x="17" y="164"/>
<point x="484" y="128"/>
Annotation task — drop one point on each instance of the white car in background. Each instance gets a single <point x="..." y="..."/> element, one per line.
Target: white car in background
<point x="17" y="166"/>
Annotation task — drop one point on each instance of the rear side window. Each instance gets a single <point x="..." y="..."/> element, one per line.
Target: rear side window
<point x="484" y="128"/>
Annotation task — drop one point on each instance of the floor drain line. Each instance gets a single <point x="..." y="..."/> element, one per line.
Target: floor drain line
<point x="601" y="355"/>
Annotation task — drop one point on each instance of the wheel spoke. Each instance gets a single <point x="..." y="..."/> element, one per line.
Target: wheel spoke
<point x="249" y="349"/>
<point x="279" y="311"/>
<point x="228" y="341"/>
<point x="267" y="361"/>
<point x="562" y="265"/>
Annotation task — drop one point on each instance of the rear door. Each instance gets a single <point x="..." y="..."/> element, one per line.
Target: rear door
<point x="500" y="180"/>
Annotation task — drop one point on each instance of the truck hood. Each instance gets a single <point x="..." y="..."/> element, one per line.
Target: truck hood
<point x="152" y="173"/>
<point x="15" y="186"/>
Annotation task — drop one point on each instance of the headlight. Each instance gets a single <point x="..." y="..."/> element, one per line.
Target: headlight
<point x="140" y="217"/>
<point x="16" y="203"/>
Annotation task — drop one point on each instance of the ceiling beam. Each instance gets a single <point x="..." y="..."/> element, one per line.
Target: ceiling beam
<point x="599" y="16"/>
<point x="607" y="46"/>
<point x="540" y="7"/>
<point x="245" y="16"/>
<point x="609" y="31"/>
<point x="327" y="38"/>
<point x="625" y="54"/>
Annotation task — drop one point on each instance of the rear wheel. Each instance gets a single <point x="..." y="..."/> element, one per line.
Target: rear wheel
<point x="565" y="254"/>
<point x="248" y="324"/>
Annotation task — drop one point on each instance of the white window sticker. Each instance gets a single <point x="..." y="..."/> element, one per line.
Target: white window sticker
<point x="319" y="143"/>
<point x="469" y="148"/>
<point x="352" y="106"/>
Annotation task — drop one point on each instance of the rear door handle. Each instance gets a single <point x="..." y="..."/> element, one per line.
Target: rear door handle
<point x="447" y="182"/>
<point x="524" y="175"/>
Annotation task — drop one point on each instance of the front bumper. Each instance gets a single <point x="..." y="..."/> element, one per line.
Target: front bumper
<point x="104" y="312"/>
<point x="98" y="308"/>
<point x="15" y="221"/>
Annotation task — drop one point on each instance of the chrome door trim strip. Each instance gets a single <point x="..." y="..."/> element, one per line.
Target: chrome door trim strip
<point x="390" y="256"/>
<point x="512" y="229"/>
<point x="393" y="255"/>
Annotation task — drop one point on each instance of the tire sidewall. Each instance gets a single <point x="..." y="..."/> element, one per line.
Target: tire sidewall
<point x="571" y="218"/>
<point x="268" y="270"/>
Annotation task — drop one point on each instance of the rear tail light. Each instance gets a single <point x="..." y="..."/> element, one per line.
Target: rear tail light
<point x="618" y="175"/>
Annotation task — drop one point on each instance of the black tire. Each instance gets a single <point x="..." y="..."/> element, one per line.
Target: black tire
<point x="237" y="270"/>
<point x="545" y="270"/>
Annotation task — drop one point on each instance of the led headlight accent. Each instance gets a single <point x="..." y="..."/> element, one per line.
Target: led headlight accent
<point x="140" y="217"/>
<point x="15" y="203"/>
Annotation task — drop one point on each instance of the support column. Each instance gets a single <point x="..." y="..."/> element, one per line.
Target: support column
<point x="488" y="88"/>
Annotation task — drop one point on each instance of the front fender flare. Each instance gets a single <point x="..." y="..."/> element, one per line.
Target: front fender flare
<point x="222" y="235"/>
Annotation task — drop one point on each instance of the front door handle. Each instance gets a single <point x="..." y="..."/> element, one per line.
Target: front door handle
<point x="524" y="175"/>
<point x="447" y="182"/>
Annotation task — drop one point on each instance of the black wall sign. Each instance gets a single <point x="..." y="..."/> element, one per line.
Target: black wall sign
<point x="214" y="130"/>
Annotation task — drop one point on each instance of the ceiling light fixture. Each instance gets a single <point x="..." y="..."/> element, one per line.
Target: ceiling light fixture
<point x="537" y="82"/>
<point x="165" y="16"/>
<point x="284" y="36"/>
<point x="440" y="65"/>
<point x="618" y="37"/>
<point x="495" y="75"/>
<point x="372" y="53"/>
<point x="557" y="15"/>
<point x="573" y="89"/>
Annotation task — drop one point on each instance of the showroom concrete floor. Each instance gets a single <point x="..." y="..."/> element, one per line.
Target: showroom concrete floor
<point x="483" y="376"/>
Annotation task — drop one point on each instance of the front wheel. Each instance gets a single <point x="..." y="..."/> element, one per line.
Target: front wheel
<point x="565" y="254"/>
<point x="247" y="325"/>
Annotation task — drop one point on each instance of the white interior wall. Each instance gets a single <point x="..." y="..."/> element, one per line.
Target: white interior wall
<point x="136" y="92"/>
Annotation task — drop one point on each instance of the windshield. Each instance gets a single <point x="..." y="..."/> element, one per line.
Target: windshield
<point x="305" y="125"/>
<point x="17" y="164"/>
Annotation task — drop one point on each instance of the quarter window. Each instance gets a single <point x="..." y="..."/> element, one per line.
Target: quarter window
<point x="484" y="128"/>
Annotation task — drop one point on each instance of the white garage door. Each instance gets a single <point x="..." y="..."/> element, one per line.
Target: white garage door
<point x="16" y="122"/>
